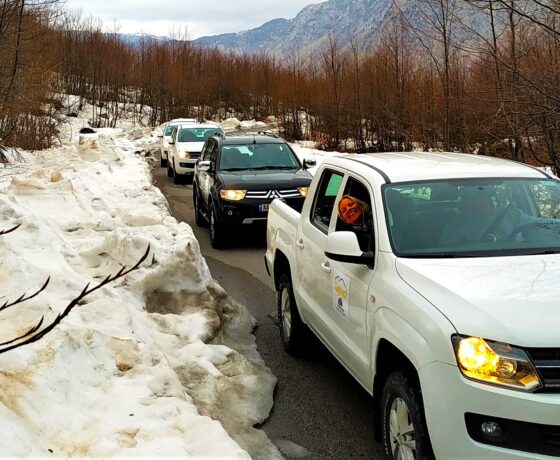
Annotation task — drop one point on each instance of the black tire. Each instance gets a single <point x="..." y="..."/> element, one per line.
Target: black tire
<point x="199" y="218"/>
<point x="177" y="178"/>
<point x="401" y="393"/>
<point x="188" y="178"/>
<point x="169" y="170"/>
<point x="163" y="162"/>
<point x="293" y="331"/>
<point x="218" y="237"/>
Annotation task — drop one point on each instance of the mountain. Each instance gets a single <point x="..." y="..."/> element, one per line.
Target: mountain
<point x="309" y="30"/>
<point x="362" y="20"/>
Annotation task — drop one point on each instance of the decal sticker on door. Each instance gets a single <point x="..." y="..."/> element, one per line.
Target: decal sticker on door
<point x="341" y="293"/>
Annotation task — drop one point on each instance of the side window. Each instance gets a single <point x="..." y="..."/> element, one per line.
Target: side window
<point x="355" y="212"/>
<point x="204" y="154"/>
<point x="324" y="200"/>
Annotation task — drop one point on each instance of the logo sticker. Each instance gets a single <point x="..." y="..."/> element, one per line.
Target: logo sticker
<point x="341" y="294"/>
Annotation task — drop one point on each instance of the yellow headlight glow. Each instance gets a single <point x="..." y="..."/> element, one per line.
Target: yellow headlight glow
<point x="233" y="195"/>
<point x="495" y="362"/>
<point x="184" y="155"/>
<point x="303" y="190"/>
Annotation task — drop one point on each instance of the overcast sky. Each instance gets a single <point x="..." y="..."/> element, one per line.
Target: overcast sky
<point x="196" y="17"/>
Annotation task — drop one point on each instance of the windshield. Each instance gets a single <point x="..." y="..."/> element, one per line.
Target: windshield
<point x="198" y="134"/>
<point x="257" y="156"/>
<point x="473" y="218"/>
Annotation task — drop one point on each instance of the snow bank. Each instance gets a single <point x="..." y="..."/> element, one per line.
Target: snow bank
<point x="159" y="363"/>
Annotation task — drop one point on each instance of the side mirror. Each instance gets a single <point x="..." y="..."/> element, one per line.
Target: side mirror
<point x="205" y="166"/>
<point x="160" y="136"/>
<point x="344" y="247"/>
<point x="308" y="163"/>
<point x="171" y="142"/>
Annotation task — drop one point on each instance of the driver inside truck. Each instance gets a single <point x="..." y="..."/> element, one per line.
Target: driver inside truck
<point x="355" y="216"/>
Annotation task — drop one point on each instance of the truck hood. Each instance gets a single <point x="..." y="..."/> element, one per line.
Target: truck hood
<point x="194" y="147"/>
<point x="510" y="299"/>
<point x="266" y="179"/>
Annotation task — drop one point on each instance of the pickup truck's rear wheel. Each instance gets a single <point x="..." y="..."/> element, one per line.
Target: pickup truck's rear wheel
<point x="405" y="435"/>
<point x="292" y="328"/>
<point x="218" y="235"/>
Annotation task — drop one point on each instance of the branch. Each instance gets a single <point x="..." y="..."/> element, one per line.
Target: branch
<point x="10" y="230"/>
<point x="36" y="333"/>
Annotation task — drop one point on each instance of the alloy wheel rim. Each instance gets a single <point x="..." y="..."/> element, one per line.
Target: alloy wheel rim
<point x="286" y="313"/>
<point x="212" y="223"/>
<point x="401" y="431"/>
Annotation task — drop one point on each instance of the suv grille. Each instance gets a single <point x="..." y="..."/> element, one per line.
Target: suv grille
<point x="547" y="363"/>
<point x="194" y="156"/>
<point x="271" y="194"/>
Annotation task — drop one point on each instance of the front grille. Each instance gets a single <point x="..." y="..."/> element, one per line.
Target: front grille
<point x="272" y="194"/>
<point x="195" y="156"/>
<point x="547" y="363"/>
<point x="516" y="435"/>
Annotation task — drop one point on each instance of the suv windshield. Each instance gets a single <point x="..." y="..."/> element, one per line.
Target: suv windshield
<point x="197" y="134"/>
<point x="257" y="156"/>
<point x="473" y="218"/>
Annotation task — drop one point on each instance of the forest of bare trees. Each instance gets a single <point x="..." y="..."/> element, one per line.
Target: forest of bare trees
<point x="434" y="81"/>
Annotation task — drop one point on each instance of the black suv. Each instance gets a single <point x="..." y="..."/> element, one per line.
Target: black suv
<point x="238" y="177"/>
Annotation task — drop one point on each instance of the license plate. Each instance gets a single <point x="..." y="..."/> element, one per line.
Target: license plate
<point x="263" y="207"/>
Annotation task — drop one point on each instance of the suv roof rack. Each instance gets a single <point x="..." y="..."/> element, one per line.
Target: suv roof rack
<point x="268" y="133"/>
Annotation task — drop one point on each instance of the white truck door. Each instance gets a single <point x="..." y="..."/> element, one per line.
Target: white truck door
<point x="314" y="272"/>
<point x="349" y="290"/>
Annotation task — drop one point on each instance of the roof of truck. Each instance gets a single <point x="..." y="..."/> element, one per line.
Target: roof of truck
<point x="413" y="166"/>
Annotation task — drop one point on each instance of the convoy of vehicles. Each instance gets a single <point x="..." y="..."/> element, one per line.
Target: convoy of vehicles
<point x="237" y="178"/>
<point x="453" y="332"/>
<point x="185" y="147"/>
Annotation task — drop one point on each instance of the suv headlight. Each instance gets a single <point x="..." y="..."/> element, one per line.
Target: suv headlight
<point x="233" y="195"/>
<point x="184" y="155"/>
<point x="496" y="363"/>
<point x="303" y="191"/>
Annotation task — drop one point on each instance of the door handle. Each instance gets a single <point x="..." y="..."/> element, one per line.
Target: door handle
<point x="299" y="244"/>
<point x="326" y="267"/>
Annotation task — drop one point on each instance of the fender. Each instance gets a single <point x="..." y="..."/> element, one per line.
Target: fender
<point x="403" y="335"/>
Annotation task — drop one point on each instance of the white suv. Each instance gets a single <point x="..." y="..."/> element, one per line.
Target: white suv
<point x="165" y="136"/>
<point x="186" y="144"/>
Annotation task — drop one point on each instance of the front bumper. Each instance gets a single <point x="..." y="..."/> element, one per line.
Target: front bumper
<point x="448" y="397"/>
<point x="185" y="166"/>
<point x="247" y="211"/>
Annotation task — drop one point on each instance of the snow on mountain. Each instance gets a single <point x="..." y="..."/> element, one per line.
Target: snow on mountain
<point x="160" y="363"/>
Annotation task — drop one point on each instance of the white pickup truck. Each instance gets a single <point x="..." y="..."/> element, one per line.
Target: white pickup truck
<point x="443" y="303"/>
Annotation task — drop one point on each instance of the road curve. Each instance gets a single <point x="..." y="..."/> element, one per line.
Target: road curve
<point x="317" y="404"/>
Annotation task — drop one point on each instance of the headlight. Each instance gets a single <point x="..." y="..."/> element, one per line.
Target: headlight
<point x="496" y="363"/>
<point x="303" y="190"/>
<point x="184" y="155"/>
<point x="233" y="195"/>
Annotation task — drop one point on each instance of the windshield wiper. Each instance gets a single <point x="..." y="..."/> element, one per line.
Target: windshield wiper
<point x="234" y="169"/>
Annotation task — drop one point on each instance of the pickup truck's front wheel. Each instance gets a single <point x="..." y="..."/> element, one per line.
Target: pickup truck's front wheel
<point x="292" y="329"/>
<point x="405" y="435"/>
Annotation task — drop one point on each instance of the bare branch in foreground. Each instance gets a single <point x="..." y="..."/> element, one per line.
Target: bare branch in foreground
<point x="36" y="333"/>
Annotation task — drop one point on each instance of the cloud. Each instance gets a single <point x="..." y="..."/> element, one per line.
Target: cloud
<point x="210" y="17"/>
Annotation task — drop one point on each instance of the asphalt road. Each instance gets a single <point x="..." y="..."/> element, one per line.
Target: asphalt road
<point x="317" y="404"/>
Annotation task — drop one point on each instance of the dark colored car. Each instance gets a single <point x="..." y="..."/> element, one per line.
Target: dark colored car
<point x="237" y="178"/>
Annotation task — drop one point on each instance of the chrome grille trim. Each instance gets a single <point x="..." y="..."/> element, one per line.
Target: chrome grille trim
<point x="272" y="194"/>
